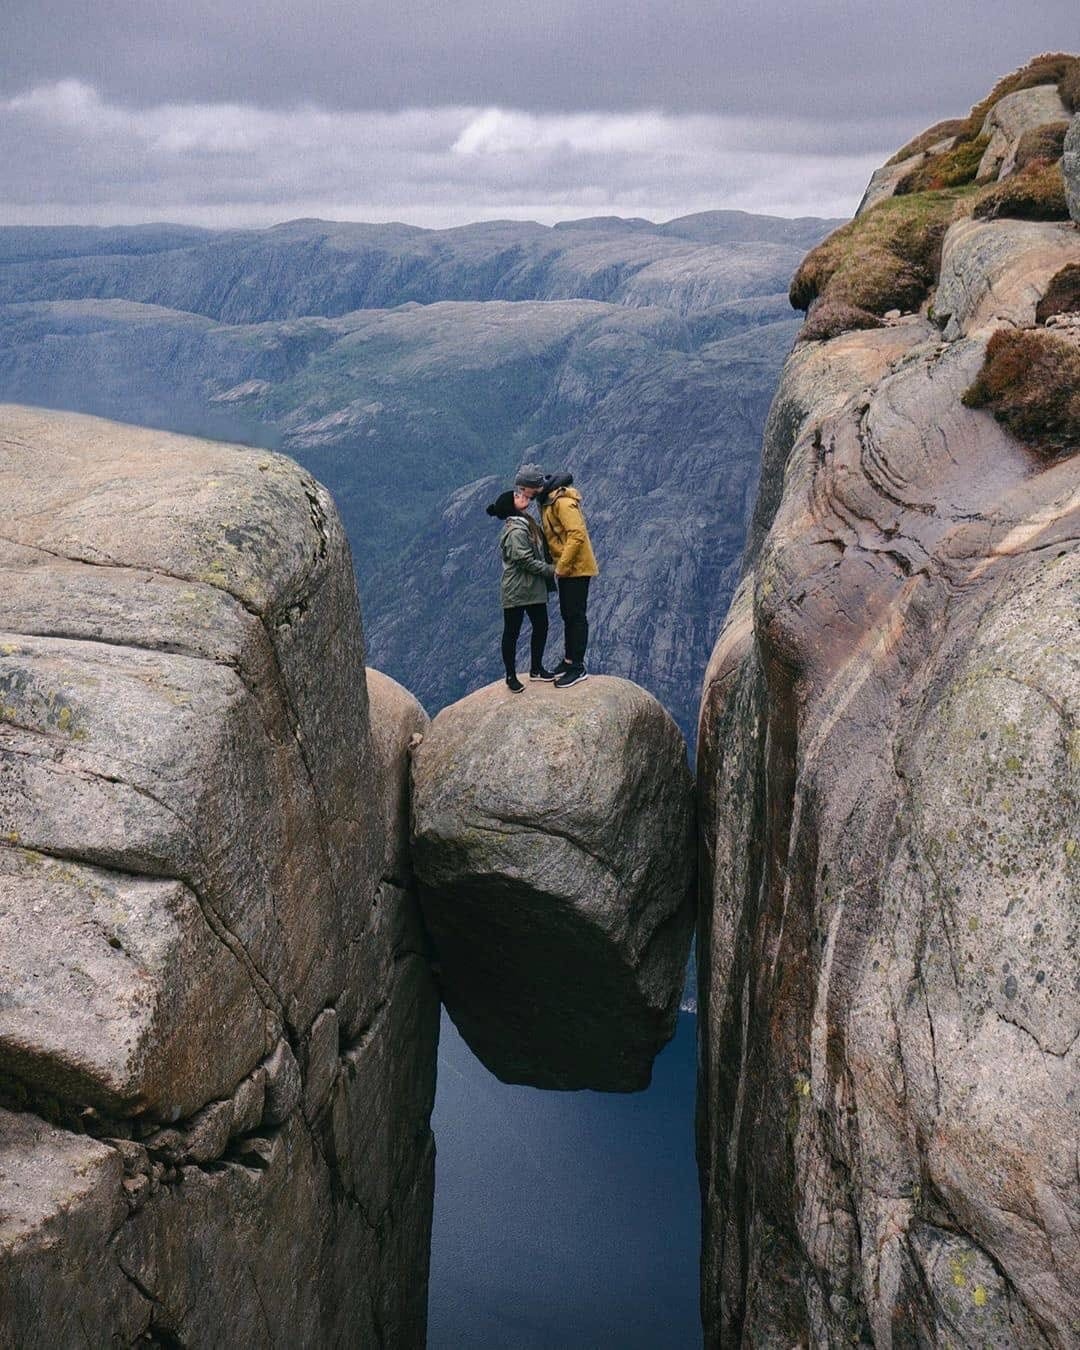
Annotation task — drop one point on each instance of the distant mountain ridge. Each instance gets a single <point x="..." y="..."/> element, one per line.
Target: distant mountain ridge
<point x="411" y="370"/>
<point x="327" y="268"/>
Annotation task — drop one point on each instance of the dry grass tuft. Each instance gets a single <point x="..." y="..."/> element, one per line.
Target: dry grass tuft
<point x="940" y="131"/>
<point x="1045" y="142"/>
<point x="1049" y="68"/>
<point x="1035" y="193"/>
<point x="887" y="258"/>
<point x="1069" y="87"/>
<point x="1030" y="381"/>
<point x="830" y="318"/>
<point x="1060" y="68"/>
<point x="1062" y="295"/>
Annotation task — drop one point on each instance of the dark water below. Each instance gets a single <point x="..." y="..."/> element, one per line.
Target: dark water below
<point x="565" y="1221"/>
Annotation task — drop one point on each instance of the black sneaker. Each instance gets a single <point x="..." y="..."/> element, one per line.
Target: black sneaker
<point x="541" y="674"/>
<point x="564" y="665"/>
<point x="572" y="676"/>
<point x="514" y="684"/>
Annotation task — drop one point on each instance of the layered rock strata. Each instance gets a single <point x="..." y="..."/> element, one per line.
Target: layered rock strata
<point x="217" y="1021"/>
<point x="889" y="774"/>
<point x="553" y="841"/>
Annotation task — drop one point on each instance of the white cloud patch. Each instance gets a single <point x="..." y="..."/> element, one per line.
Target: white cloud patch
<point x="73" y="156"/>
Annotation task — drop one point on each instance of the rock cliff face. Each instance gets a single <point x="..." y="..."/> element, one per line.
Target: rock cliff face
<point x="889" y="755"/>
<point x="553" y="839"/>
<point x="217" y="1017"/>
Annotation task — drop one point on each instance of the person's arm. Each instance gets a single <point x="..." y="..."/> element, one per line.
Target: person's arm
<point x="576" y="537"/>
<point x="519" y="553"/>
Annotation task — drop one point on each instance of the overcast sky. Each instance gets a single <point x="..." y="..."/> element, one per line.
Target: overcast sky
<point x="438" y="113"/>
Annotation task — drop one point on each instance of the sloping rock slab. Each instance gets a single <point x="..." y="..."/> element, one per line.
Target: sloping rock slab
<point x="553" y="837"/>
<point x="995" y="272"/>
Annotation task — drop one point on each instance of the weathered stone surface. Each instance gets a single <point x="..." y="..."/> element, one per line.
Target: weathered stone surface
<point x="1070" y="164"/>
<point x="889" y="994"/>
<point x="192" y="832"/>
<point x="884" y="181"/>
<point x="1009" y="118"/>
<point x="117" y="992"/>
<point x="61" y="1200"/>
<point x="995" y="272"/>
<point x="553" y="841"/>
<point x="397" y="723"/>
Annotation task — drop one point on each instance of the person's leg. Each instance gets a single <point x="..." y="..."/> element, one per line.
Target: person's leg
<point x="538" y="618"/>
<point x="574" y="599"/>
<point x="512" y="620"/>
<point x="565" y="608"/>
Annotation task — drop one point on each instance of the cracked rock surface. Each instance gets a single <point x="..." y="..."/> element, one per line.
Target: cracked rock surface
<point x="889" y="780"/>
<point x="553" y="838"/>
<point x="217" y="1017"/>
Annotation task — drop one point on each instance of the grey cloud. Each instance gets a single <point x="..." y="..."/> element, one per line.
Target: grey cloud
<point x="73" y="156"/>
<point x="818" y="58"/>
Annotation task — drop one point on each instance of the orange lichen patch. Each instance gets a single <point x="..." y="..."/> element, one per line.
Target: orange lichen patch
<point x="1035" y="193"/>
<point x="830" y="318"/>
<point x="1045" y="142"/>
<point x="952" y="168"/>
<point x="1062" y="295"/>
<point x="1030" y="381"/>
<point x="886" y="258"/>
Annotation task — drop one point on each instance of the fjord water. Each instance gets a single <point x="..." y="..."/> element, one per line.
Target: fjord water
<point x="566" y="1220"/>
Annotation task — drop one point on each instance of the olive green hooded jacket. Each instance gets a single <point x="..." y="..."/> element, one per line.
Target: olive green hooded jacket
<point x="526" y="570"/>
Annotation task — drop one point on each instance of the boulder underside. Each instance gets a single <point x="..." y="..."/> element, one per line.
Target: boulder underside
<point x="553" y="840"/>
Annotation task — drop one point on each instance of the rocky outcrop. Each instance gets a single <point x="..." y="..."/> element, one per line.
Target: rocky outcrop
<point x="218" y="1022"/>
<point x="888" y="978"/>
<point x="1070" y="163"/>
<point x="553" y="840"/>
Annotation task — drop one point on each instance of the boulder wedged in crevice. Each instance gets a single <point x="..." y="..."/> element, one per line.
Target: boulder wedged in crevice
<point x="889" y="1090"/>
<point x="553" y="841"/>
<point x="218" y="1021"/>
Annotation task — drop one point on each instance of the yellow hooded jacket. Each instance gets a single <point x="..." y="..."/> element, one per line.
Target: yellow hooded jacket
<point x="567" y="534"/>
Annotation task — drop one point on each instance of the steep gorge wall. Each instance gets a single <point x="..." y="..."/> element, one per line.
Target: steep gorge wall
<point x="217" y="1017"/>
<point x="889" y="777"/>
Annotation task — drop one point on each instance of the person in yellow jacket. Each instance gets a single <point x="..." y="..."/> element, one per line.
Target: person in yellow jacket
<point x="567" y="538"/>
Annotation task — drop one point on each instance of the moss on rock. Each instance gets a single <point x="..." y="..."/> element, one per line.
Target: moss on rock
<point x="886" y="258"/>
<point x="1030" y="381"/>
<point x="1046" y="143"/>
<point x="1037" y="192"/>
<point x="952" y="168"/>
<point x="830" y="318"/>
<point x="1062" y="295"/>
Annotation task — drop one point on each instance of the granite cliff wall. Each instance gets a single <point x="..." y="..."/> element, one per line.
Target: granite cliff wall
<point x="889" y="777"/>
<point x="217" y="1016"/>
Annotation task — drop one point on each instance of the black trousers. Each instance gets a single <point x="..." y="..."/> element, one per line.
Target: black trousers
<point x="512" y="621"/>
<point x="573" y="604"/>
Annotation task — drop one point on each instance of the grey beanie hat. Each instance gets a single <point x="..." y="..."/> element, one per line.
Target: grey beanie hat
<point x="530" y="476"/>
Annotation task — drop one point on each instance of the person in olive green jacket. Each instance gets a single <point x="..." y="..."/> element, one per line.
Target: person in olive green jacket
<point x="527" y="576"/>
<point x="567" y="537"/>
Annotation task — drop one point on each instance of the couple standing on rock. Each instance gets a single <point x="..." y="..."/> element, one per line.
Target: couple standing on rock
<point x="537" y="559"/>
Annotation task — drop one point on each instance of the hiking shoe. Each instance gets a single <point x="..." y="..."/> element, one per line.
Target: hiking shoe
<point x="572" y="676"/>
<point x="541" y="674"/>
<point x="514" y="684"/>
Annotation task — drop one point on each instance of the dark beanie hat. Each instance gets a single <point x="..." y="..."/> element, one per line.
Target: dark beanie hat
<point x="530" y="476"/>
<point x="503" y="506"/>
